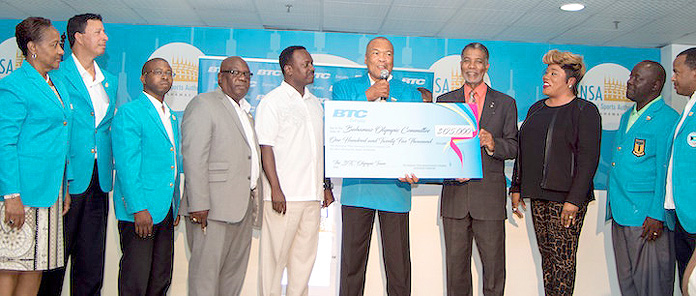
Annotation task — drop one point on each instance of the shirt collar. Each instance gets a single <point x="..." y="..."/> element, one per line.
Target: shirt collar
<point x="243" y="104"/>
<point x="479" y="89"/>
<point x="293" y="92"/>
<point x="635" y="112"/>
<point x="158" y="105"/>
<point x="98" y="75"/>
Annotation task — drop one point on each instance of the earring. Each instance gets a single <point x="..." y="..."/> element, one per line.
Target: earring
<point x="33" y="56"/>
<point x="570" y="86"/>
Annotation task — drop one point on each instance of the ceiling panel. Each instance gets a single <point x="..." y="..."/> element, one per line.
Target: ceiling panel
<point x="413" y="13"/>
<point x="180" y="5"/>
<point x="424" y="4"/>
<point x="530" y="34"/>
<point x="300" y="7"/>
<point x="229" y="18"/>
<point x="487" y="16"/>
<point x="587" y="36"/>
<point x="9" y="11"/>
<point x="417" y="28"/>
<point x="352" y="24"/>
<point x="519" y="5"/>
<point x="552" y="19"/>
<point x="163" y="16"/>
<point x="382" y="2"/>
<point x="637" y="38"/>
<point x="226" y="5"/>
<point x="292" y="21"/>
<point x="607" y="23"/>
<point x="355" y="9"/>
<point x="53" y="10"/>
<point x="648" y="9"/>
<point x="688" y="39"/>
<point x="123" y="15"/>
<point x="471" y="31"/>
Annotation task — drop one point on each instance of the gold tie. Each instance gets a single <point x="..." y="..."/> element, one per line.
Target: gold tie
<point x="472" y="96"/>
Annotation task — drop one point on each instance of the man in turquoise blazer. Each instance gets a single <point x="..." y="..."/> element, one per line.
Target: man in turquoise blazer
<point x="361" y="199"/>
<point x="635" y="194"/>
<point x="146" y="194"/>
<point x="679" y="193"/>
<point x="92" y="92"/>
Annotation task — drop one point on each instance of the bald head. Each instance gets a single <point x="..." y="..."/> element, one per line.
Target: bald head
<point x="657" y="72"/>
<point x="234" y="77"/>
<point x="645" y="83"/>
<point x="379" y="56"/>
<point x="228" y="62"/>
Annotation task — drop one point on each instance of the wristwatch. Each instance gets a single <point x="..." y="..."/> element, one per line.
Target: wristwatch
<point x="327" y="184"/>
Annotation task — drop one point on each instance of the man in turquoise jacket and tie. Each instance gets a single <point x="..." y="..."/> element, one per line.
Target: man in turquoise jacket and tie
<point x="635" y="194"/>
<point x="679" y="193"/>
<point x="146" y="194"/>
<point x="93" y="95"/>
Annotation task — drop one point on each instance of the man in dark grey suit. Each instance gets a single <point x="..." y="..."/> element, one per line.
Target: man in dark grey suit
<point x="221" y="160"/>
<point x="475" y="209"/>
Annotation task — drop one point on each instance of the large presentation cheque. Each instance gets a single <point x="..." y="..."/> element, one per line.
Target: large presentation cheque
<point x="388" y="140"/>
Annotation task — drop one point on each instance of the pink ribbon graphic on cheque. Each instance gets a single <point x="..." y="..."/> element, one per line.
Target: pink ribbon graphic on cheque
<point x="454" y="140"/>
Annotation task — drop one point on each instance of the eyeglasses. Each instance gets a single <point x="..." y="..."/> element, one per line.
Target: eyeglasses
<point x="160" y="73"/>
<point x="238" y="73"/>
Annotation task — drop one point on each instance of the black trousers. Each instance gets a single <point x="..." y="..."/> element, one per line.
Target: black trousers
<point x="85" y="241"/>
<point x="490" y="242"/>
<point x="684" y="245"/>
<point x="356" y="234"/>
<point x="147" y="263"/>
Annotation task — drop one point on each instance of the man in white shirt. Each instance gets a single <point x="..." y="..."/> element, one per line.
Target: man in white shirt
<point x="92" y="92"/>
<point x="289" y="123"/>
<point x="680" y="170"/>
<point x="222" y="162"/>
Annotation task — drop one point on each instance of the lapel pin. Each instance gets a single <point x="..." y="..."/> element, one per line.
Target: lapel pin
<point x="691" y="113"/>
<point x="648" y="118"/>
<point x="106" y="84"/>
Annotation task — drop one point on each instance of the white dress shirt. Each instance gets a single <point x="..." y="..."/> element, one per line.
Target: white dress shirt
<point x="165" y="117"/>
<point x="669" y="192"/>
<point x="100" y="100"/>
<point x="243" y="109"/>
<point x="294" y="126"/>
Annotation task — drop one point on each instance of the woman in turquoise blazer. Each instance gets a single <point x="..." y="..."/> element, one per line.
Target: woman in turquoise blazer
<point x="34" y="132"/>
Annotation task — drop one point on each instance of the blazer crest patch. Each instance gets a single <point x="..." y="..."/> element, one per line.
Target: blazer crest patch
<point x="639" y="147"/>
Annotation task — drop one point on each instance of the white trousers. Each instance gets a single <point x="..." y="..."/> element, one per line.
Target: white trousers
<point x="290" y="241"/>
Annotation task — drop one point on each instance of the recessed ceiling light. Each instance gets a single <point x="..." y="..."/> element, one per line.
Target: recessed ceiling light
<point x="572" y="7"/>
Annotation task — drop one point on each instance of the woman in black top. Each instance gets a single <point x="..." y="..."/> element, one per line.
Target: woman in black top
<point x="559" y="144"/>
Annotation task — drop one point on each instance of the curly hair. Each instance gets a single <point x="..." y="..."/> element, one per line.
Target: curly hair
<point x="572" y="64"/>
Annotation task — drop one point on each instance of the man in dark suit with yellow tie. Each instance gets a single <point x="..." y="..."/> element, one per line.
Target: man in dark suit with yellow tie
<point x="475" y="209"/>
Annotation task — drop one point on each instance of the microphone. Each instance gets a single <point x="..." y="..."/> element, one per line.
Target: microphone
<point x="384" y="74"/>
